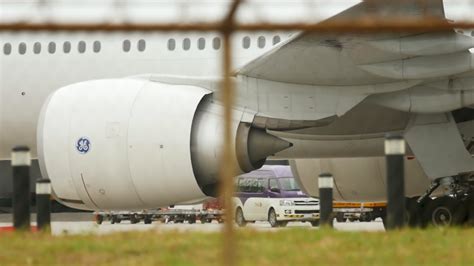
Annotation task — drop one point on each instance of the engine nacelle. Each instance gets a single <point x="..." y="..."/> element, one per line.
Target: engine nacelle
<point x="130" y="144"/>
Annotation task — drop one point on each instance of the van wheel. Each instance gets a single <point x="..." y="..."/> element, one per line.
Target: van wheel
<point x="239" y="217"/>
<point x="272" y="218"/>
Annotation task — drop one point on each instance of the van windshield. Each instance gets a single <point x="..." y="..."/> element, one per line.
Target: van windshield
<point x="289" y="184"/>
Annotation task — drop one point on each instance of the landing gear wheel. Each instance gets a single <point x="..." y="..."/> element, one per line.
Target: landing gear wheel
<point x="272" y="218"/>
<point x="445" y="211"/>
<point x="239" y="217"/>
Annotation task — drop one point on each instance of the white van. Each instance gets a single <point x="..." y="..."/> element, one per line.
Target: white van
<point x="272" y="194"/>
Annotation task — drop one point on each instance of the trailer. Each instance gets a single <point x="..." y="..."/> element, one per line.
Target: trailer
<point x="174" y="214"/>
<point x="355" y="211"/>
<point x="116" y="217"/>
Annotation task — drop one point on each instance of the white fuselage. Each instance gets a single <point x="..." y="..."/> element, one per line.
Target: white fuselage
<point x="28" y="77"/>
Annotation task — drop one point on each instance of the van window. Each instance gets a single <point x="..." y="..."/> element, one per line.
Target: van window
<point x="261" y="185"/>
<point x="289" y="184"/>
<point x="243" y="185"/>
<point x="251" y="185"/>
<point x="273" y="183"/>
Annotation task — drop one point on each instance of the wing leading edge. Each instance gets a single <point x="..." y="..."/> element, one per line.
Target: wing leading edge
<point x="367" y="58"/>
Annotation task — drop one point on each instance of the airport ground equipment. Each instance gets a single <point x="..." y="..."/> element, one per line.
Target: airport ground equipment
<point x="326" y="184"/>
<point x="43" y="204"/>
<point x="189" y="216"/>
<point x="447" y="201"/>
<point x="355" y="211"/>
<point x="21" y="162"/>
<point x="394" y="154"/>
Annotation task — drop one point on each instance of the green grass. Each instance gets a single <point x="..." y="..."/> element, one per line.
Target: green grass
<point x="283" y="247"/>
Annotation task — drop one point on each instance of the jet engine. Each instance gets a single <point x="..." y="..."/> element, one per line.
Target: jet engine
<point x="131" y="144"/>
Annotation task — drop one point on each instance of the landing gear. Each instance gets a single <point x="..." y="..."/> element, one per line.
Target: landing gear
<point x="455" y="208"/>
<point x="445" y="211"/>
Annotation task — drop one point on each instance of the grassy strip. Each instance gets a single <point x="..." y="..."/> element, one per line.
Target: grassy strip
<point x="295" y="246"/>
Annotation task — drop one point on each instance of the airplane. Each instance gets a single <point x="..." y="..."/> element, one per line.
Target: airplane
<point x="134" y="120"/>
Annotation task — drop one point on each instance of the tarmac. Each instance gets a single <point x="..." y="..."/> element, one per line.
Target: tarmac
<point x="83" y="223"/>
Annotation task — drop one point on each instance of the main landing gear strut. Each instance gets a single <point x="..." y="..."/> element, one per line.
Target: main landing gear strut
<point x="455" y="207"/>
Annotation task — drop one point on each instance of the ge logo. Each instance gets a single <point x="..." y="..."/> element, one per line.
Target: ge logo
<point x="83" y="145"/>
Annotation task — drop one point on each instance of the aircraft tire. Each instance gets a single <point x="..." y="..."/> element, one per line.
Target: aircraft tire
<point x="445" y="211"/>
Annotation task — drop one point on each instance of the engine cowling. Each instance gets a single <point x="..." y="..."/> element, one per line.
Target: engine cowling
<point x="129" y="144"/>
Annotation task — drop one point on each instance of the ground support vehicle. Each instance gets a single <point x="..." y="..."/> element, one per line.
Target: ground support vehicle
<point x="354" y="211"/>
<point x="162" y="215"/>
<point x="207" y="216"/>
<point x="117" y="217"/>
<point x="272" y="194"/>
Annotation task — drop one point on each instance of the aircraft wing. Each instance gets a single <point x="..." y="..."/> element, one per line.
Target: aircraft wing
<point x="339" y="59"/>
